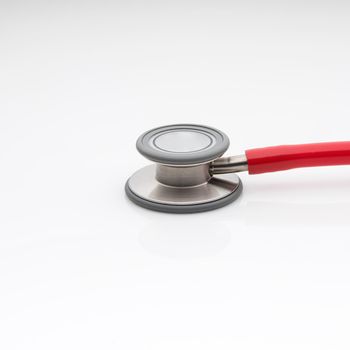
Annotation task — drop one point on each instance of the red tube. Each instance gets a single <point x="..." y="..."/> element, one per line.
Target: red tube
<point x="277" y="158"/>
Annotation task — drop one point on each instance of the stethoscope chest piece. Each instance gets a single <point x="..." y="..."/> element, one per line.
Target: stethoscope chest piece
<point x="191" y="176"/>
<point x="182" y="181"/>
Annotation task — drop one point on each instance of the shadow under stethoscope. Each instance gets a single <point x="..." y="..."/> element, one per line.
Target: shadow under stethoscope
<point x="321" y="212"/>
<point x="297" y="215"/>
<point x="194" y="238"/>
<point x="207" y="234"/>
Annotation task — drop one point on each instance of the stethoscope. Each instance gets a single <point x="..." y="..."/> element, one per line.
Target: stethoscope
<point x="191" y="176"/>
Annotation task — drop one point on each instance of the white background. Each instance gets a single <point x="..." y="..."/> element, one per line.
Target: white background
<point x="83" y="268"/>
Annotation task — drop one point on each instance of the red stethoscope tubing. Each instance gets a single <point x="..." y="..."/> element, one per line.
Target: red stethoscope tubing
<point x="278" y="158"/>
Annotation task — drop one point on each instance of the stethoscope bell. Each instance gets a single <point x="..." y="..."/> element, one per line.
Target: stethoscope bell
<point x="182" y="180"/>
<point x="190" y="175"/>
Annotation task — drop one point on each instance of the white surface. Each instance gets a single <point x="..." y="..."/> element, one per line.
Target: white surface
<point x="83" y="268"/>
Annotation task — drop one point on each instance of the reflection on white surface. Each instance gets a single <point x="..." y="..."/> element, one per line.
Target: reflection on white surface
<point x="184" y="239"/>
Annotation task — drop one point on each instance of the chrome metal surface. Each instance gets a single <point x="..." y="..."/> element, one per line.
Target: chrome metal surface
<point x="144" y="184"/>
<point x="227" y="165"/>
<point x="183" y="176"/>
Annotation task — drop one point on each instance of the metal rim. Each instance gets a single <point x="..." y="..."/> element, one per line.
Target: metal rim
<point x="214" y="143"/>
<point x="185" y="209"/>
<point x="150" y="194"/>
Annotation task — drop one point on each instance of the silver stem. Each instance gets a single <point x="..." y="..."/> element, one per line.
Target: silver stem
<point x="227" y="165"/>
<point x="183" y="176"/>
